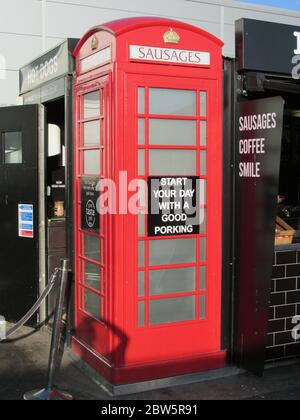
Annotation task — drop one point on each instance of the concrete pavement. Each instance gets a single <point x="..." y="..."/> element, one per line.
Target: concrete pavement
<point x="23" y="367"/>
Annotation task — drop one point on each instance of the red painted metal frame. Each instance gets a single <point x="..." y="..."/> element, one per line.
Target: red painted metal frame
<point x="130" y="353"/>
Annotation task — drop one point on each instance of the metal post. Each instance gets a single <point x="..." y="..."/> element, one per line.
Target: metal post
<point x="50" y="393"/>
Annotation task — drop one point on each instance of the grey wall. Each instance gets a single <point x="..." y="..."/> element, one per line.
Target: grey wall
<point x="29" y="27"/>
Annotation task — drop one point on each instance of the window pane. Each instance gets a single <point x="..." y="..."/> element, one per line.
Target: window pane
<point x="172" y="251"/>
<point x="202" y="249"/>
<point x="13" y="148"/>
<point x="92" y="247"/>
<point x="141" y="131"/>
<point x="203" y="104"/>
<point x="172" y="132"/>
<point x="202" y="278"/>
<point x="172" y="102"/>
<point x="162" y="282"/>
<point x="172" y="162"/>
<point x="203" y="162"/>
<point x="92" y="304"/>
<point x="92" y="104"/>
<point x="142" y="225"/>
<point x="92" y="133"/>
<point x="141" y="100"/>
<point x="202" y="307"/>
<point x="202" y="221"/>
<point x="91" y="162"/>
<point x="141" y="254"/>
<point x="141" y="306"/>
<point x="203" y="133"/>
<point x="202" y="192"/>
<point x="141" y="163"/>
<point x="141" y="281"/>
<point x="166" y="311"/>
<point x="92" y="275"/>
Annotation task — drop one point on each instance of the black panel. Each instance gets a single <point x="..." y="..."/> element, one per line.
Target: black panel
<point x="228" y="203"/>
<point x="90" y="218"/>
<point x="19" y="271"/>
<point x="265" y="46"/>
<point x="173" y="206"/>
<point x="255" y="229"/>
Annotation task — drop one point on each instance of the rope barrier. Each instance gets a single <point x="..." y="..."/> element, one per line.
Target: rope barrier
<point x="35" y="307"/>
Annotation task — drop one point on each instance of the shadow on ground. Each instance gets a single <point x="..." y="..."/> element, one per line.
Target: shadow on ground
<point x="23" y="367"/>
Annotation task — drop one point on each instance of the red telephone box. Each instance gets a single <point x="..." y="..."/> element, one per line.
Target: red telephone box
<point x="148" y="105"/>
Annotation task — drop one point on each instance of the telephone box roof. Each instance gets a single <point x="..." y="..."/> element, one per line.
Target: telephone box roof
<point x="121" y="26"/>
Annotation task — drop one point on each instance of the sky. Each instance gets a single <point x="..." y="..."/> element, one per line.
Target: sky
<point x="284" y="4"/>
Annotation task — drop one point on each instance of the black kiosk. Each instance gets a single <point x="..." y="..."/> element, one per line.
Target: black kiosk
<point x="267" y="204"/>
<point x="35" y="182"/>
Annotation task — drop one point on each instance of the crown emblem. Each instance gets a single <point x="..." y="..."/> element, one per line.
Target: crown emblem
<point x="171" y="37"/>
<point x="94" y="43"/>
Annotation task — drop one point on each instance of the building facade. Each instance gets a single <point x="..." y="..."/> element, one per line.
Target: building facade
<point x="30" y="27"/>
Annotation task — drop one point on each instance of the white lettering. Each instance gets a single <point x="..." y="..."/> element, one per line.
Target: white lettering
<point x="258" y="122"/>
<point x="296" y="329"/>
<point x="169" y="55"/>
<point x="297" y="50"/>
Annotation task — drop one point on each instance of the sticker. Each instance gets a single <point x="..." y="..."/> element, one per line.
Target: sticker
<point x="25" y="217"/>
<point x="90" y="218"/>
<point x="174" y="206"/>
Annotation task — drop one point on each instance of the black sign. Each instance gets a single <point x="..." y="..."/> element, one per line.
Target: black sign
<point x="259" y="133"/>
<point x="49" y="66"/>
<point x="90" y="219"/>
<point x="174" y="204"/>
<point x="267" y="47"/>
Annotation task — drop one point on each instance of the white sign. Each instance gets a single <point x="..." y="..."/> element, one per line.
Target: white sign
<point x="169" y="55"/>
<point x="25" y="213"/>
<point x="96" y="60"/>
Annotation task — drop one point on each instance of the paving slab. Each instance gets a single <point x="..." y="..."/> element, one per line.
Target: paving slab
<point x="24" y="361"/>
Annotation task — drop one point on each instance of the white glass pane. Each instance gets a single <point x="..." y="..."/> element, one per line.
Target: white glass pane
<point x="142" y="194"/>
<point x="92" y="104"/>
<point x="92" y="247"/>
<point x="166" y="311"/>
<point x="91" y="162"/>
<point x="172" y="251"/>
<point x="202" y="307"/>
<point x="141" y="306"/>
<point x="202" y="221"/>
<point x="92" y="304"/>
<point x="141" y="283"/>
<point x="172" y="102"/>
<point x="141" y="131"/>
<point x="92" y="275"/>
<point x="172" y="162"/>
<point x="91" y="133"/>
<point x="203" y="163"/>
<point x="141" y="254"/>
<point x="164" y="282"/>
<point x="202" y="249"/>
<point x="141" y="100"/>
<point x="141" y="225"/>
<point x="13" y="153"/>
<point x="203" y="104"/>
<point x="203" y="133"/>
<point x="202" y="278"/>
<point x="141" y="163"/>
<point x="202" y="192"/>
<point x="172" y="132"/>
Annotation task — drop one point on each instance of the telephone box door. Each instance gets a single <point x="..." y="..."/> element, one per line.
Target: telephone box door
<point x="173" y="303"/>
<point x="19" y="258"/>
<point x="92" y="152"/>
